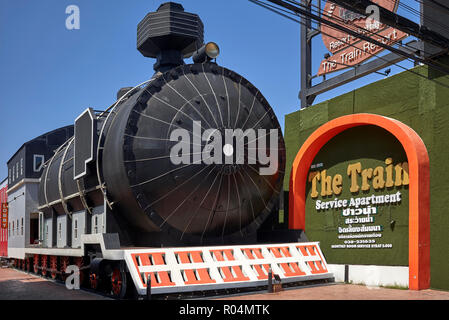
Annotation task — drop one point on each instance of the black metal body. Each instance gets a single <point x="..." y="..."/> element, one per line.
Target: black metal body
<point x="149" y="200"/>
<point x="57" y="185"/>
<point x="194" y="203"/>
<point x="156" y="202"/>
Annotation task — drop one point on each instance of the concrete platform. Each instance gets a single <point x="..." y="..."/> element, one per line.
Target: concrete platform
<point x="339" y="291"/>
<point x="17" y="285"/>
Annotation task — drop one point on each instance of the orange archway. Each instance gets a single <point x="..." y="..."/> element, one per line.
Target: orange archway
<point x="419" y="188"/>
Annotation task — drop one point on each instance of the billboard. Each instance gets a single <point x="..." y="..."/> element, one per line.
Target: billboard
<point x="347" y="50"/>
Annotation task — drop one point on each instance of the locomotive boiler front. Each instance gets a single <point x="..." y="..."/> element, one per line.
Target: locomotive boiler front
<point x="196" y="200"/>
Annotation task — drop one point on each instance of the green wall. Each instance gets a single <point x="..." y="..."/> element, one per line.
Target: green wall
<point x="418" y="102"/>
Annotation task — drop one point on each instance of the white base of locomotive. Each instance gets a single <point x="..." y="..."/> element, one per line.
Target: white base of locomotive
<point x="230" y="286"/>
<point x="224" y="267"/>
<point x="203" y="268"/>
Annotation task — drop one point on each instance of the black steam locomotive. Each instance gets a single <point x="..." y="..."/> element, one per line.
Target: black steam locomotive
<point x="191" y="159"/>
<point x="122" y="160"/>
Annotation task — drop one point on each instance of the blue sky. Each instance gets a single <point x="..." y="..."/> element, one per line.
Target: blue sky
<point x="49" y="75"/>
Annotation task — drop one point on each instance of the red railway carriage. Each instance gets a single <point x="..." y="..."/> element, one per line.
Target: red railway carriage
<point x="4" y="219"/>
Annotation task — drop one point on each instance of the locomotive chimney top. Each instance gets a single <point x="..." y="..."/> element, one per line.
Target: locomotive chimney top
<point x="170" y="34"/>
<point x="171" y="6"/>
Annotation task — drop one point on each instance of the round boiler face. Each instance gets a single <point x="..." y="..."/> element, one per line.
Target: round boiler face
<point x="204" y="152"/>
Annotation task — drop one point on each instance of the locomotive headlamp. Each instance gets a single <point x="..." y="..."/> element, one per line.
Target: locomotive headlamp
<point x="206" y="53"/>
<point x="212" y="50"/>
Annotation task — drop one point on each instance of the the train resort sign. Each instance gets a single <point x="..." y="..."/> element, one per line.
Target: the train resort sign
<point x="347" y="50"/>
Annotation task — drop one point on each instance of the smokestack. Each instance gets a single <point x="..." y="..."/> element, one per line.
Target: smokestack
<point x="170" y="34"/>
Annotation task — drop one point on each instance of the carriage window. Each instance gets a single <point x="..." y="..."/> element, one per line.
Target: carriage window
<point x="38" y="162"/>
<point x="41" y="226"/>
<point x="95" y="224"/>
<point x="21" y="227"/>
<point x="75" y="229"/>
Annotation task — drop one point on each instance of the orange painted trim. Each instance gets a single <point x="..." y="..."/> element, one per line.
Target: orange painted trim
<point x="419" y="188"/>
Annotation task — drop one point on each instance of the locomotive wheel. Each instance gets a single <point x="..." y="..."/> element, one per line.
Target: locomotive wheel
<point x="44" y="260"/>
<point x="36" y="264"/>
<point x="53" y="267"/>
<point x="28" y="264"/>
<point x="94" y="280"/>
<point x="118" y="283"/>
<point x="64" y="263"/>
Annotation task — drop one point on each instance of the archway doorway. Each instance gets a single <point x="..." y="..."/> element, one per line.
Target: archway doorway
<point x="419" y="187"/>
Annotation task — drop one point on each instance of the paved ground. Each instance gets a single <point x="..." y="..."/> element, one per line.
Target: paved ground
<point x="16" y="285"/>
<point x="346" y="292"/>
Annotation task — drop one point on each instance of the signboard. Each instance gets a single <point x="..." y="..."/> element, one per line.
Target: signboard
<point x="4" y="216"/>
<point x="347" y="50"/>
<point x="357" y="198"/>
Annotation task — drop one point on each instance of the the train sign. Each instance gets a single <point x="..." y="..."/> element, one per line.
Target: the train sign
<point x="347" y="50"/>
<point x="4" y="215"/>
